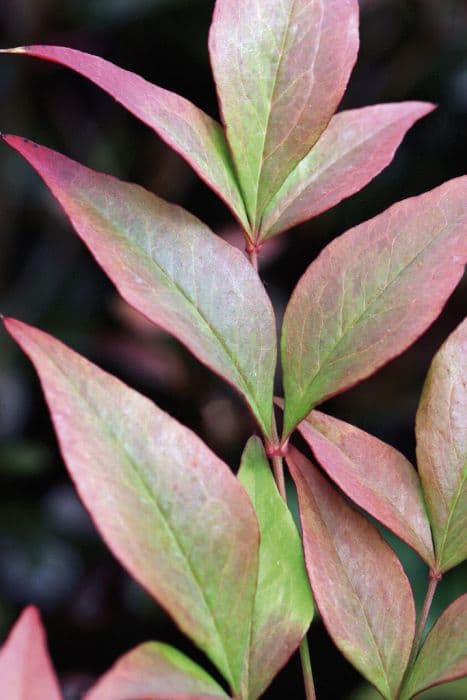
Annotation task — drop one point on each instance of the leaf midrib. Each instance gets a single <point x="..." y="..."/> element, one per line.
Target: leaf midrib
<point x="152" y="497"/>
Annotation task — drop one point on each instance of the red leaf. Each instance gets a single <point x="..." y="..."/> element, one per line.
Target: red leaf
<point x="26" y="672"/>
<point x="374" y="475"/>
<point x="189" y="131"/>
<point x="355" y="147"/>
<point x="359" y="585"/>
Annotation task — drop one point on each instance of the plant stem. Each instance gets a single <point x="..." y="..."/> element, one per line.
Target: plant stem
<point x="253" y="255"/>
<point x="278" y="469"/>
<point x="424" y="615"/>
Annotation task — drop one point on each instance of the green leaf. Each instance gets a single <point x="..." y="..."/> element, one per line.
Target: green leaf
<point x="171" y="511"/>
<point x="281" y="69"/>
<point x="190" y="132"/>
<point x="359" y="585"/>
<point x="370" y="294"/>
<point x="283" y="607"/>
<point x="443" y="657"/>
<point x="457" y="690"/>
<point x="173" y="269"/>
<point x="155" y="671"/>
<point x="441" y="429"/>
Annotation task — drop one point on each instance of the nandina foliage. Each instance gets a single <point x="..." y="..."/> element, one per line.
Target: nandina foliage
<point x="220" y="552"/>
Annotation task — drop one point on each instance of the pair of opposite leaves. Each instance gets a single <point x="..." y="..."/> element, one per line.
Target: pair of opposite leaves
<point x="188" y="533"/>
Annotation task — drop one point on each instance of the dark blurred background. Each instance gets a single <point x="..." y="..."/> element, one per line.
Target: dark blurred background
<point x="49" y="552"/>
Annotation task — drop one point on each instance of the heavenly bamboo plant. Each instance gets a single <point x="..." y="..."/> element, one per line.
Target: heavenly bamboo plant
<point x="220" y="552"/>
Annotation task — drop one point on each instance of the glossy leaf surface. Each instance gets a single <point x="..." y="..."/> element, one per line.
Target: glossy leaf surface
<point x="157" y="672"/>
<point x="283" y="606"/>
<point x="443" y="656"/>
<point x="374" y="475"/>
<point x="198" y="138"/>
<point x="370" y="294"/>
<point x="281" y="69"/>
<point x="173" y="269"/>
<point x="26" y="672"/>
<point x="355" y="147"/>
<point x="168" y="508"/>
<point x="442" y="448"/>
<point x="358" y="583"/>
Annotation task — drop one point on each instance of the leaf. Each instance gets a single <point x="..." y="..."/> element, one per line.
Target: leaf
<point x="359" y="585"/>
<point x="194" y="135"/>
<point x="355" y="147"/>
<point x="157" y="672"/>
<point x="370" y="294"/>
<point x="443" y="656"/>
<point x="26" y="672"/>
<point x="172" y="513"/>
<point x="281" y="70"/>
<point x="457" y="690"/>
<point x="441" y="430"/>
<point x="283" y="606"/>
<point x="374" y="475"/>
<point x="173" y="269"/>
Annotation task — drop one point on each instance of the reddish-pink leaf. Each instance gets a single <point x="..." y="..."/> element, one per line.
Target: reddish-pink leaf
<point x="359" y="585"/>
<point x="442" y="448"/>
<point x="355" y="147"/>
<point x="26" y="672"/>
<point x="169" y="509"/>
<point x="281" y="69"/>
<point x="370" y="294"/>
<point x="155" y="671"/>
<point x="172" y="268"/>
<point x="374" y="475"/>
<point x="193" y="134"/>
<point x="443" y="657"/>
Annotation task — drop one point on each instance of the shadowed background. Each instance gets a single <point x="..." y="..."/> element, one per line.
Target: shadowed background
<point x="49" y="552"/>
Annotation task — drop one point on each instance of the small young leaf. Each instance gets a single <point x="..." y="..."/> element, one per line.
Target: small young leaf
<point x="157" y="672"/>
<point x="442" y="448"/>
<point x="173" y="269"/>
<point x="359" y="585"/>
<point x="370" y="294"/>
<point x="283" y="606"/>
<point x="374" y="475"/>
<point x="355" y="147"/>
<point x="443" y="657"/>
<point x="168" y="508"/>
<point x="198" y="138"/>
<point x="26" y="672"/>
<point x="281" y="69"/>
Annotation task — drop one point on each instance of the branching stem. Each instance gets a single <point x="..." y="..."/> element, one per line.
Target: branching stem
<point x="430" y="594"/>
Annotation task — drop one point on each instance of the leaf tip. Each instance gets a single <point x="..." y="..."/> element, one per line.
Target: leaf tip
<point x="15" y="49"/>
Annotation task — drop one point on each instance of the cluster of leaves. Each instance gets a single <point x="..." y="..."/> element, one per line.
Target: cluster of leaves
<point x="219" y="552"/>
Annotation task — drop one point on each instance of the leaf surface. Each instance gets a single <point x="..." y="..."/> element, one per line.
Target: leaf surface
<point x="157" y="672"/>
<point x="370" y="294"/>
<point x="194" y="135"/>
<point x="441" y="429"/>
<point x="443" y="657"/>
<point x="173" y="269"/>
<point x="26" y="672"/>
<point x="358" y="583"/>
<point x="171" y="511"/>
<point x="374" y="475"/>
<point x="354" y="148"/>
<point x="283" y="606"/>
<point x="281" y="69"/>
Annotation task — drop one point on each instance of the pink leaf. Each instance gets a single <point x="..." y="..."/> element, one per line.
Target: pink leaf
<point x="355" y="147"/>
<point x="443" y="657"/>
<point x="189" y="131"/>
<point x="370" y="294"/>
<point x="169" y="509"/>
<point x="155" y="671"/>
<point x="374" y="475"/>
<point x="359" y="585"/>
<point x="174" y="270"/>
<point x="442" y="448"/>
<point x="281" y="69"/>
<point x="26" y="672"/>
